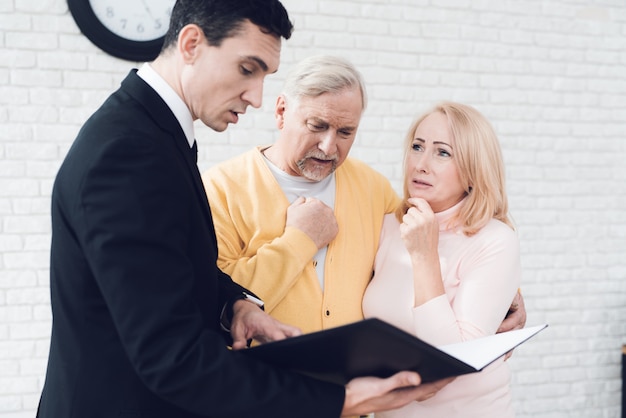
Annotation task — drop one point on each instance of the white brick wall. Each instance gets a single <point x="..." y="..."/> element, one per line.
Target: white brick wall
<point x="550" y="74"/>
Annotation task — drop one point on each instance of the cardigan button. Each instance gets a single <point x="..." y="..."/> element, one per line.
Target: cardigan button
<point x="327" y="312"/>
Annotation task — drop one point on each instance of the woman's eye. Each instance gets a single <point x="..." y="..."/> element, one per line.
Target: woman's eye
<point x="245" y="71"/>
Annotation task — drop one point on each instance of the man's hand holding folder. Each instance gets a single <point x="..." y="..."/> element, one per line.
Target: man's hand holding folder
<point x="363" y="395"/>
<point x="367" y="394"/>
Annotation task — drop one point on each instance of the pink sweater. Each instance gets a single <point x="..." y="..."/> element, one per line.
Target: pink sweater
<point x="481" y="275"/>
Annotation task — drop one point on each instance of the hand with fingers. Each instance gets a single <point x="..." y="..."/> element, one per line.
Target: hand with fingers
<point x="314" y="218"/>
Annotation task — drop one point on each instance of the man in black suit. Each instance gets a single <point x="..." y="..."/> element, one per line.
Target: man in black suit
<point x="140" y="311"/>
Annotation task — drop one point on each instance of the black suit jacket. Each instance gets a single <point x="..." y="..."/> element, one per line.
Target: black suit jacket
<point x="136" y="294"/>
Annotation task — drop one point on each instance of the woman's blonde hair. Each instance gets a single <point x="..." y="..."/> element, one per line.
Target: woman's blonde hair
<point x="478" y="158"/>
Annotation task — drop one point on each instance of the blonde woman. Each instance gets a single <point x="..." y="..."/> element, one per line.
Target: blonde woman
<point x="447" y="265"/>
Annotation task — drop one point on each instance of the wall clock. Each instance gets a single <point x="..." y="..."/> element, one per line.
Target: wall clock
<point x="129" y="29"/>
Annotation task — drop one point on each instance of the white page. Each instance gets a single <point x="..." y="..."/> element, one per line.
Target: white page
<point x="480" y="352"/>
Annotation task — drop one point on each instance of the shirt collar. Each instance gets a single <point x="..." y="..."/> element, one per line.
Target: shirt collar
<point x="445" y="217"/>
<point x="173" y="100"/>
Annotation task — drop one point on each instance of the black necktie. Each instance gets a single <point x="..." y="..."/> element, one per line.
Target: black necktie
<point x="194" y="151"/>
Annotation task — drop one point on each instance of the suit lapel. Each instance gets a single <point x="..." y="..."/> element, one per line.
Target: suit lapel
<point x="167" y="122"/>
<point x="197" y="181"/>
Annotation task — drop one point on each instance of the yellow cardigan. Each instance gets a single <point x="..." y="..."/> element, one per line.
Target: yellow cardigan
<point x="249" y="211"/>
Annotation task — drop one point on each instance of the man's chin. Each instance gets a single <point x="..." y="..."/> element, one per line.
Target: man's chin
<point x="317" y="174"/>
<point x="217" y="127"/>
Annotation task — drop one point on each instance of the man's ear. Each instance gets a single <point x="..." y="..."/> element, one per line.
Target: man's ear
<point x="189" y="39"/>
<point x="279" y="111"/>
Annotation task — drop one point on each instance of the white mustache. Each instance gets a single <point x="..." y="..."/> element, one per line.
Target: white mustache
<point x="322" y="156"/>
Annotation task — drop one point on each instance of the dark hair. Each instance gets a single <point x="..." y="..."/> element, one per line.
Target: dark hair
<point x="220" y="19"/>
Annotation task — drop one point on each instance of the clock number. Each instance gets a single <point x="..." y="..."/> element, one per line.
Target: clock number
<point x="133" y="30"/>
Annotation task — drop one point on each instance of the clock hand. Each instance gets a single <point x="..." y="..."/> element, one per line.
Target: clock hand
<point x="147" y="7"/>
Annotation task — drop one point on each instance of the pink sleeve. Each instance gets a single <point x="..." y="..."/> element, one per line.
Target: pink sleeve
<point x="480" y="292"/>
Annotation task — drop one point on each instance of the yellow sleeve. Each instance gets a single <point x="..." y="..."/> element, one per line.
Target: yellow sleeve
<point x="249" y="212"/>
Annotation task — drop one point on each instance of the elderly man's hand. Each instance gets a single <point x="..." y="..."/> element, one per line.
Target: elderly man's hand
<point x="515" y="318"/>
<point x="314" y="218"/>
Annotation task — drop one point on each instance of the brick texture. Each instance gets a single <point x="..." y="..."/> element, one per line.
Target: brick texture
<point x="550" y="75"/>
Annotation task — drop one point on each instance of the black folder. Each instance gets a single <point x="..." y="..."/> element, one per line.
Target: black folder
<point x="372" y="347"/>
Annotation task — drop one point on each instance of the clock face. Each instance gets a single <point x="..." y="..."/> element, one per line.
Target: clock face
<point x="129" y="29"/>
<point x="136" y="20"/>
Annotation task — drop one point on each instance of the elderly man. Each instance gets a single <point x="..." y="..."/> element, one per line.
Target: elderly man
<point x="298" y="221"/>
